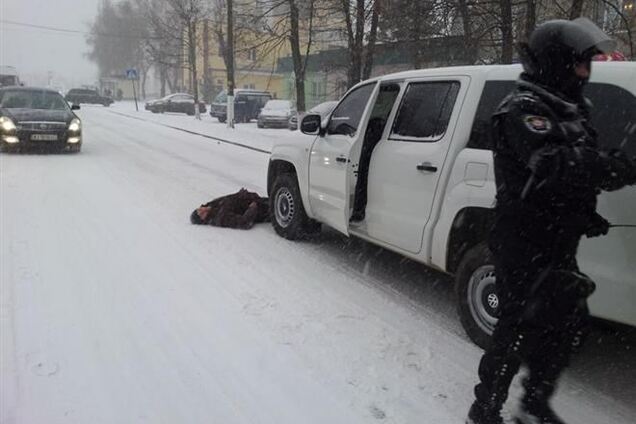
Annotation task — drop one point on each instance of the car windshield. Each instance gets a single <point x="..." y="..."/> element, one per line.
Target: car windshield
<point x="32" y="99"/>
<point x="221" y="97"/>
<point x="278" y="105"/>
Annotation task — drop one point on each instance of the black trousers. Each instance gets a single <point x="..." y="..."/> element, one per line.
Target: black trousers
<point x="542" y="319"/>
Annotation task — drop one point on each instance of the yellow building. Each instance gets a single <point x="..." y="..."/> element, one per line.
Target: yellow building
<point x="254" y="67"/>
<point x="256" y="57"/>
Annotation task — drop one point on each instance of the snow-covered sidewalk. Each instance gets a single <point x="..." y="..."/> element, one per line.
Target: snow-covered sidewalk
<point x="245" y="134"/>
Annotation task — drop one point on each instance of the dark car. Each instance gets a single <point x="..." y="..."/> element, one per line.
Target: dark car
<point x="276" y="113"/>
<point x="323" y="109"/>
<point x="247" y="105"/>
<point x="38" y="118"/>
<point x="83" y="95"/>
<point x="178" y="102"/>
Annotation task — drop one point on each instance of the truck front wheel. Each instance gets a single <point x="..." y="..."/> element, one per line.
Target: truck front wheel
<point x="287" y="212"/>
<point x="478" y="302"/>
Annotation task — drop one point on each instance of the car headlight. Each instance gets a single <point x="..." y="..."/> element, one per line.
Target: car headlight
<point x="7" y="124"/>
<point x="75" y="125"/>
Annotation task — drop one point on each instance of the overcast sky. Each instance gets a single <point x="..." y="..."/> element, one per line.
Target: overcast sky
<point x="35" y="52"/>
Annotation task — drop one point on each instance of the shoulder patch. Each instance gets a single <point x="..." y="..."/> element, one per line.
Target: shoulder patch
<point x="537" y="124"/>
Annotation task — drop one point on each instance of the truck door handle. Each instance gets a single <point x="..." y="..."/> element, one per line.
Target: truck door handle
<point x="426" y="166"/>
<point x="341" y="159"/>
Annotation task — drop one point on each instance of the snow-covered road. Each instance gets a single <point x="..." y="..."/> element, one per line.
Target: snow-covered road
<point x="114" y="309"/>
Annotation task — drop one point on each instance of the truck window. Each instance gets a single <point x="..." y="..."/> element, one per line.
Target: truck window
<point x="346" y="117"/>
<point x="425" y="111"/>
<point x="493" y="94"/>
<point x="613" y="116"/>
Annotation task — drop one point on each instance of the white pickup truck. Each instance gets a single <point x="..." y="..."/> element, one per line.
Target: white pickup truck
<point x="431" y="185"/>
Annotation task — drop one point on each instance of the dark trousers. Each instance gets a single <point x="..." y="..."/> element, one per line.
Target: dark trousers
<point x="543" y="318"/>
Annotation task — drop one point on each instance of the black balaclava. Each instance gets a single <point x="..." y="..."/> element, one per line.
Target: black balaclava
<point x="556" y="47"/>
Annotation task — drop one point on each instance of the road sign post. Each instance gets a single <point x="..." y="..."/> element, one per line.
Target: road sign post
<point x="132" y="75"/>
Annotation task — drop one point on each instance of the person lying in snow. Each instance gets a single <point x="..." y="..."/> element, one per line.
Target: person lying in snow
<point x="239" y="210"/>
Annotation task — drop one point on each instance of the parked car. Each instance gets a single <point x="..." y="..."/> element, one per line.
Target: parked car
<point x="178" y="102"/>
<point x="82" y="95"/>
<point x="247" y="105"/>
<point x="323" y="109"/>
<point x="431" y="184"/>
<point x="276" y="113"/>
<point x="38" y="118"/>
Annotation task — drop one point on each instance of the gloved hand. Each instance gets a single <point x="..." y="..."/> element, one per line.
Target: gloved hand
<point x="597" y="227"/>
<point x="545" y="163"/>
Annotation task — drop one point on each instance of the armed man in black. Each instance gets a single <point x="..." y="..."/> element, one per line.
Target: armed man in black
<point x="549" y="169"/>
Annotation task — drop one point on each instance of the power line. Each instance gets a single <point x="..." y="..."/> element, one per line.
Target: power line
<point x="73" y="31"/>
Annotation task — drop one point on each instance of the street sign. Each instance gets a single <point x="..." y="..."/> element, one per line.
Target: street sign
<point x="131" y="74"/>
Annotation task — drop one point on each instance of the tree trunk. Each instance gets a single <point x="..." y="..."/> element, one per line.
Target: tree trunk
<point x="469" y="43"/>
<point x="230" y="64"/>
<point x="506" y="31"/>
<point x="356" y="52"/>
<point x="373" y="35"/>
<point x="299" y="71"/>
<point x="531" y="17"/>
<point x="207" y="83"/>
<point x="162" y="79"/>
<point x="144" y="77"/>
<point x="192" y="49"/>
<point x="576" y="9"/>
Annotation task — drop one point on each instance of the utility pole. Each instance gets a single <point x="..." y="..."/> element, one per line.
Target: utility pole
<point x="230" y="65"/>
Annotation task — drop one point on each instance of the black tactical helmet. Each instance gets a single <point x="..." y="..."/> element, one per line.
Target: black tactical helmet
<point x="554" y="49"/>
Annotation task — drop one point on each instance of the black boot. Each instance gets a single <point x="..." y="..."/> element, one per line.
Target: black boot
<point x="535" y="406"/>
<point x="484" y="414"/>
<point x="537" y="414"/>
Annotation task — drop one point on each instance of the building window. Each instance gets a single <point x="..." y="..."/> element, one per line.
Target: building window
<point x="251" y="55"/>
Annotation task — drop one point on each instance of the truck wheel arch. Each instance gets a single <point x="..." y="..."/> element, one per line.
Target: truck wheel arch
<point x="470" y="227"/>
<point x="277" y="167"/>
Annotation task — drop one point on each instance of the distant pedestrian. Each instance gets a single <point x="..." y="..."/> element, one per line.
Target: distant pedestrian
<point x="241" y="210"/>
<point x="549" y="169"/>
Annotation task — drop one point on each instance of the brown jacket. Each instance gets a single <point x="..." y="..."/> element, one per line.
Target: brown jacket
<point x="234" y="211"/>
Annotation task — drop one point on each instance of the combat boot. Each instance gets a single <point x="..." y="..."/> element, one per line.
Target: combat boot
<point x="537" y="414"/>
<point x="535" y="406"/>
<point x="484" y="414"/>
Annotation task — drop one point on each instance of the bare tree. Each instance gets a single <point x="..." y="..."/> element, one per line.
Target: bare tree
<point x="179" y="24"/>
<point x="290" y="22"/>
<point x="229" y="64"/>
<point x="576" y="9"/>
<point x="507" y="36"/>
<point x="117" y="38"/>
<point x="531" y="17"/>
<point x="372" y="38"/>
<point x="356" y="15"/>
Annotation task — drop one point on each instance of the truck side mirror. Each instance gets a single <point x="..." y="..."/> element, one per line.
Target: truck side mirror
<point x="311" y="124"/>
<point x="75" y="107"/>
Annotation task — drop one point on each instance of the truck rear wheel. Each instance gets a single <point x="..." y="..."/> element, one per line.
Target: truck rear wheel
<point x="478" y="302"/>
<point x="287" y="212"/>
